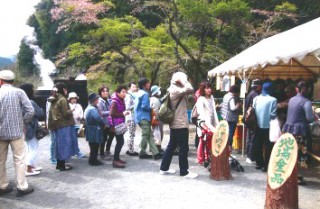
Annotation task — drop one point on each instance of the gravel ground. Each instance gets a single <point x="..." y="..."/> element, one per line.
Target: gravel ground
<point x="140" y="186"/>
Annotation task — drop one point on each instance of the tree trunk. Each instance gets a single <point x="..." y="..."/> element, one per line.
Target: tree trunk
<point x="286" y="196"/>
<point x="220" y="168"/>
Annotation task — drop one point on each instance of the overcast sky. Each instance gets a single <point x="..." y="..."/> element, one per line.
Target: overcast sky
<point x="13" y="17"/>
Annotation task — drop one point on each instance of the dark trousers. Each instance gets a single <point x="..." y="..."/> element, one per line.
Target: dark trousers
<point x="119" y="145"/>
<point x="261" y="140"/>
<point x="232" y="128"/>
<point x="61" y="164"/>
<point x="94" y="147"/>
<point x="250" y="145"/>
<point x="178" y="137"/>
<point x="108" y="136"/>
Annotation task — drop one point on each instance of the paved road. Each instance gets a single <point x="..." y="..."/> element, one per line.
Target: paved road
<point x="140" y="186"/>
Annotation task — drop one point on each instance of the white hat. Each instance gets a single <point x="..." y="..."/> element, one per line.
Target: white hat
<point x="73" y="95"/>
<point x="7" y="75"/>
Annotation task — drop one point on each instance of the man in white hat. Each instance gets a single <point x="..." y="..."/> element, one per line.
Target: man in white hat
<point x="15" y="110"/>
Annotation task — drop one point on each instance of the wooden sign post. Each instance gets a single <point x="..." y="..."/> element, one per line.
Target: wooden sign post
<point x="282" y="186"/>
<point x="220" y="168"/>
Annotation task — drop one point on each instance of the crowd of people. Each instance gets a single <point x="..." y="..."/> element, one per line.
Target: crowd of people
<point x="110" y="116"/>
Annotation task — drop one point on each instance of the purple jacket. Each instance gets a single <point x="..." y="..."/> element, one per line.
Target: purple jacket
<point x="117" y="108"/>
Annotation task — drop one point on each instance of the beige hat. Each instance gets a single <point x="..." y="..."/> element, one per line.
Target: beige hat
<point x="7" y="75"/>
<point x="73" y="95"/>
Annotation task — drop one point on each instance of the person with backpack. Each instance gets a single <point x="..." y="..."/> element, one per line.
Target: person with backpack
<point x="256" y="87"/>
<point x="179" y="132"/>
<point x="129" y="100"/>
<point x="157" y="125"/>
<point x="206" y="109"/>
<point x="142" y="117"/>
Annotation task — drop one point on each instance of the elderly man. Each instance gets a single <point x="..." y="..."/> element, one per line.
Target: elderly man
<point x="15" y="110"/>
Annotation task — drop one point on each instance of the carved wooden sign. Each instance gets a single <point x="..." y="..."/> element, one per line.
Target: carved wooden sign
<point x="282" y="161"/>
<point x="220" y="138"/>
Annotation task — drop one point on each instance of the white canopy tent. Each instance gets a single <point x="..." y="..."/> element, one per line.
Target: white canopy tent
<point x="291" y="54"/>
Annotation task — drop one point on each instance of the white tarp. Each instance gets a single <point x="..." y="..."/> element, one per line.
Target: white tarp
<point x="293" y="52"/>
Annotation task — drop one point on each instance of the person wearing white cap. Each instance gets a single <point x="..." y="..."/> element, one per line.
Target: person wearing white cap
<point x="12" y="102"/>
<point x="156" y="124"/>
<point x="77" y="112"/>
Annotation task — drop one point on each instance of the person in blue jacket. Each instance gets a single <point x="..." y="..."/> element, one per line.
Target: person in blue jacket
<point x="142" y="117"/>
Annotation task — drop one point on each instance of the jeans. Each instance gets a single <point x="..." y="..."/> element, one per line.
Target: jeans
<point x="119" y="145"/>
<point x="52" y="147"/>
<point x="32" y="151"/>
<point x="232" y="128"/>
<point x="147" y="138"/>
<point x="18" y="147"/>
<point x="178" y="137"/>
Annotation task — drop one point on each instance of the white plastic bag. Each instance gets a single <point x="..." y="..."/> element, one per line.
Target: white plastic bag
<point x="157" y="135"/>
<point x="274" y="131"/>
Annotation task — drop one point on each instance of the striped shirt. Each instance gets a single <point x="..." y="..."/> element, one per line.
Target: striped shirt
<point x="15" y="110"/>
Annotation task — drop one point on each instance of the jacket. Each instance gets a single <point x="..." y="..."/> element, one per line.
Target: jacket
<point x="104" y="108"/>
<point x="94" y="124"/>
<point x="34" y="124"/>
<point x="176" y="93"/>
<point x="142" y="107"/>
<point x="129" y="100"/>
<point x="116" y="110"/>
<point x="265" y="109"/>
<point x="60" y="114"/>
<point x="204" y="109"/>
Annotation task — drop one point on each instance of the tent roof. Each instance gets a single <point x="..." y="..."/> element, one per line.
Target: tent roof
<point x="293" y="53"/>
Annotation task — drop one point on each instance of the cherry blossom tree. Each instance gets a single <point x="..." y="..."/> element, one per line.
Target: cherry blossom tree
<point x="73" y="12"/>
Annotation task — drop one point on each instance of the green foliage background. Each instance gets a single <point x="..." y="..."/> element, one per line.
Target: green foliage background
<point x="154" y="38"/>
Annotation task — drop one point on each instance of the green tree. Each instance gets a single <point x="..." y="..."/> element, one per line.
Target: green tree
<point x="26" y="64"/>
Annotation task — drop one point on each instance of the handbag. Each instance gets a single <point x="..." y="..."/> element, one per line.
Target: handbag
<point x="41" y="132"/>
<point x="154" y="118"/>
<point x="166" y="113"/>
<point x="274" y="131"/>
<point x="194" y="115"/>
<point x="120" y="128"/>
<point x="250" y="118"/>
<point x="314" y="128"/>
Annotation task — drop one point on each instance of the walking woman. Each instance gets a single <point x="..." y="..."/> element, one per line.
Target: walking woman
<point x="104" y="107"/>
<point x="117" y="119"/>
<point x="61" y="123"/>
<point x="94" y="127"/>
<point x="32" y="141"/>
<point x="206" y="109"/>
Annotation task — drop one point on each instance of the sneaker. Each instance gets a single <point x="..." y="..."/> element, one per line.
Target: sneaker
<point x="21" y="193"/>
<point x="191" y="175"/>
<point x="37" y="168"/>
<point x="145" y="156"/>
<point x="33" y="173"/>
<point x="65" y="168"/>
<point x="158" y="156"/>
<point x="81" y="155"/>
<point x="54" y="162"/>
<point x="132" y="153"/>
<point x="249" y="161"/>
<point x="5" y="191"/>
<point x="106" y="157"/>
<point x="170" y="171"/>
